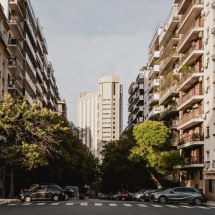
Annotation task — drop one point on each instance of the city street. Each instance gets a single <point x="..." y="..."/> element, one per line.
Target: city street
<point x="97" y="207"/>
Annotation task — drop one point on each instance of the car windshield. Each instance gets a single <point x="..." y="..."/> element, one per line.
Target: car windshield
<point x="168" y="190"/>
<point x="33" y="187"/>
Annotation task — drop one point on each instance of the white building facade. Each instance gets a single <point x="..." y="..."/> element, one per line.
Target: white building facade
<point x="100" y="114"/>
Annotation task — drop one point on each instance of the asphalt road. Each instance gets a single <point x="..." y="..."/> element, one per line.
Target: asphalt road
<point x="97" y="207"/>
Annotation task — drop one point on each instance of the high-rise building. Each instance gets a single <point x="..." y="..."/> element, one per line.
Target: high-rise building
<point x="100" y="114"/>
<point x="179" y="88"/>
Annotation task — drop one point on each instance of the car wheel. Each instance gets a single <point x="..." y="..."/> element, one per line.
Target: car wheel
<point x="27" y="199"/>
<point x="197" y="201"/>
<point x="56" y="198"/>
<point x="66" y="197"/>
<point x="142" y="199"/>
<point x="162" y="200"/>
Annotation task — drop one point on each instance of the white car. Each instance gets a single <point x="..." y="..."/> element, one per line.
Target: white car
<point x="138" y="194"/>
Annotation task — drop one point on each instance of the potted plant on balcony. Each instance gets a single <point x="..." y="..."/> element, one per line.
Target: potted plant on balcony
<point x="196" y="137"/>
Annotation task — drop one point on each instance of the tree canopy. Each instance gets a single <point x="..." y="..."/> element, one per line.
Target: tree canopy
<point x="154" y="146"/>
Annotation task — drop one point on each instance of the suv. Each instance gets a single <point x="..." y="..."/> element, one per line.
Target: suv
<point x="43" y="192"/>
<point x="180" y="194"/>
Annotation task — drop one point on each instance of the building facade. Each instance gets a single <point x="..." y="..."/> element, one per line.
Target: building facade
<point x="179" y="88"/>
<point x="136" y="101"/>
<point x="100" y="114"/>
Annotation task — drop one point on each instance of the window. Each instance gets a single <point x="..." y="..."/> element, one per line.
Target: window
<point x="210" y="185"/>
<point x="188" y="190"/>
<point x="178" y="190"/>
<point x="201" y="175"/>
<point x="208" y="131"/>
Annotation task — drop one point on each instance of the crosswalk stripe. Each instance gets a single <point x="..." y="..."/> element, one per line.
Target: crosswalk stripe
<point x="212" y="207"/>
<point x="26" y="204"/>
<point x="84" y="204"/>
<point x="171" y="206"/>
<point x="185" y="206"/>
<point x="55" y="203"/>
<point x="41" y="204"/>
<point x="69" y="203"/>
<point x="98" y="204"/>
<point x="142" y="205"/>
<point x="202" y="207"/>
<point x="113" y="204"/>
<point x="157" y="206"/>
<point x="127" y="205"/>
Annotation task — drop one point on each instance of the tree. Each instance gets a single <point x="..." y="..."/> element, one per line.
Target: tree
<point x="31" y="134"/>
<point x="118" y="173"/>
<point x="154" y="146"/>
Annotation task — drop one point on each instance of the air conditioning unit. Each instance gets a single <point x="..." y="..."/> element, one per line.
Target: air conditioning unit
<point x="213" y="31"/>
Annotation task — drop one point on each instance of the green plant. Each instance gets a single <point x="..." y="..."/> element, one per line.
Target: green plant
<point x="185" y="68"/>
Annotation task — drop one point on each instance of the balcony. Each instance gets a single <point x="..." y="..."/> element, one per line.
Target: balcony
<point x="45" y="99"/>
<point x="154" y="98"/>
<point x="192" y="55"/>
<point x="170" y="92"/>
<point x="169" y="79"/>
<point x="193" y="162"/>
<point x="45" y="88"/>
<point x="15" y="67"/>
<point x="168" y="112"/>
<point x="154" y="70"/>
<point x="31" y="30"/>
<point x="15" y="45"/>
<point x="140" y="119"/>
<point x="191" y="119"/>
<point x="154" y="83"/>
<point x="191" y="141"/>
<point x="39" y="75"/>
<point x="154" y="56"/>
<point x="39" y="88"/>
<point x="30" y="85"/>
<point x="29" y="67"/>
<point x="154" y="112"/>
<point x="192" y="12"/>
<point x="172" y="41"/>
<point x="173" y="57"/>
<point x="30" y="48"/>
<point x="170" y="25"/>
<point x="191" y="34"/>
<point x="195" y="95"/>
<point x="16" y="26"/>
<point x="29" y="98"/>
<point x="15" y="88"/>
<point x="191" y="77"/>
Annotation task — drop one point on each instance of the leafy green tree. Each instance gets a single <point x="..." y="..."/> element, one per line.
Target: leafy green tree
<point x="31" y="134"/>
<point x="118" y="173"/>
<point x="154" y="146"/>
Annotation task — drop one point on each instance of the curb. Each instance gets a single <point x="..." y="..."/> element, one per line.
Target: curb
<point x="8" y="201"/>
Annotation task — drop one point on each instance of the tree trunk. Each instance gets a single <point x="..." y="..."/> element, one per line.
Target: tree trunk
<point x="3" y="180"/>
<point x="154" y="179"/>
<point x="11" y="195"/>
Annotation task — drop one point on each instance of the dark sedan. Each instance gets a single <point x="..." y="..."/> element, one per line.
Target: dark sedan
<point x="180" y="194"/>
<point x="43" y="192"/>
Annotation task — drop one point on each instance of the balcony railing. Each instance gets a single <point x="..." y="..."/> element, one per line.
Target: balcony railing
<point x="196" y="24"/>
<point x="189" y="8"/>
<point x="194" y="92"/>
<point x="13" y="62"/>
<point x="194" y="160"/>
<point x="15" y="41"/>
<point x="190" y="138"/>
<point x="195" y="113"/>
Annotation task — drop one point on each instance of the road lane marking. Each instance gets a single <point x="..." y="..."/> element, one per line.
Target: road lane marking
<point x="41" y="204"/>
<point x="127" y="205"/>
<point x="84" y="204"/>
<point x="55" y="203"/>
<point x="157" y="206"/>
<point x="98" y="204"/>
<point x="172" y="206"/>
<point x="26" y="204"/>
<point x="113" y="204"/>
<point x="142" y="205"/>
<point x="202" y="207"/>
<point x="69" y="203"/>
<point x="12" y="204"/>
<point x="185" y="206"/>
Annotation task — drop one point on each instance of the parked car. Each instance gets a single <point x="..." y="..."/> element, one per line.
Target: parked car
<point x="180" y="194"/>
<point x="138" y="194"/>
<point x="43" y="192"/>
<point x="123" y="197"/>
<point x="147" y="195"/>
<point x="69" y="191"/>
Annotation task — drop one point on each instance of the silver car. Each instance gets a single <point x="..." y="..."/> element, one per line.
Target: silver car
<point x="180" y="194"/>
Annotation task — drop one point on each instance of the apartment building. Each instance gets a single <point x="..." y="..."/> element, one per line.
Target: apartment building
<point x="25" y="67"/>
<point x="136" y="101"/>
<point x="179" y="87"/>
<point x="100" y="114"/>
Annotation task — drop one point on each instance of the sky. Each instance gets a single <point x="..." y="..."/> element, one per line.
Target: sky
<point x="88" y="39"/>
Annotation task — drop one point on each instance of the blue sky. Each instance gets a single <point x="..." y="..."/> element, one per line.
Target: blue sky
<point x="88" y="39"/>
